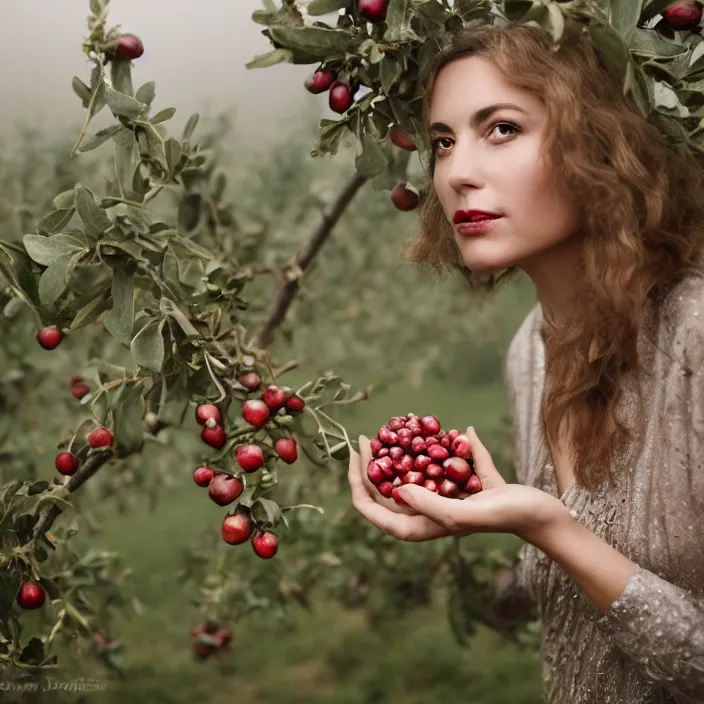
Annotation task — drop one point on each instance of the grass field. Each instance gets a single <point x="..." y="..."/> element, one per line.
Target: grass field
<point x="329" y="656"/>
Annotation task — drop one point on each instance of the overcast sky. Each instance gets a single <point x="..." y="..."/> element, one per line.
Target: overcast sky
<point x="196" y="56"/>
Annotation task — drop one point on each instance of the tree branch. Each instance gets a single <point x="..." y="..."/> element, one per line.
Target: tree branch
<point x="304" y="258"/>
<point x="75" y="483"/>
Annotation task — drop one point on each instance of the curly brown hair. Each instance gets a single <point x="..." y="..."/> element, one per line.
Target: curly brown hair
<point x="641" y="213"/>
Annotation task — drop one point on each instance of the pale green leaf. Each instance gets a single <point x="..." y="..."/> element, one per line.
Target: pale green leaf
<point x="270" y="58"/>
<point x="146" y="93"/>
<point x="129" y="416"/>
<point x="95" y="219"/>
<point x="55" y="221"/>
<point x="121" y="104"/>
<point x="148" y="346"/>
<point x="46" y="250"/>
<point x="54" y="279"/>
<point x="120" y="318"/>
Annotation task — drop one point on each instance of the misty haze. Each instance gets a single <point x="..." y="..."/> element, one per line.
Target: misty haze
<point x="196" y="55"/>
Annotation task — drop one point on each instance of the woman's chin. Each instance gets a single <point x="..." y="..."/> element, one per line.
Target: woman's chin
<point x="482" y="259"/>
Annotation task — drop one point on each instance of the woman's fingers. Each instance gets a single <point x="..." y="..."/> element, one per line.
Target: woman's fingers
<point x="390" y="504"/>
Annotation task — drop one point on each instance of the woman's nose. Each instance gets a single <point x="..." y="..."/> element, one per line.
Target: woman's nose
<point x="464" y="169"/>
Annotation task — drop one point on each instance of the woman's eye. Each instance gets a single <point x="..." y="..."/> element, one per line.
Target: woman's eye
<point x="443" y="143"/>
<point x="514" y="128"/>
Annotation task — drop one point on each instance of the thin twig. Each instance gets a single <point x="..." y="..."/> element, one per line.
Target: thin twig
<point x="303" y="259"/>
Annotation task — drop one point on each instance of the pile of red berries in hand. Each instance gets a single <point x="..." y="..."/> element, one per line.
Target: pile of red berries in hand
<point x="413" y="450"/>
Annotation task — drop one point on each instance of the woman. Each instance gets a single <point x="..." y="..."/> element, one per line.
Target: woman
<point x="605" y="373"/>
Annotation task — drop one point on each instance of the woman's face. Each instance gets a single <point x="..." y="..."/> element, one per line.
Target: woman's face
<point x="492" y="162"/>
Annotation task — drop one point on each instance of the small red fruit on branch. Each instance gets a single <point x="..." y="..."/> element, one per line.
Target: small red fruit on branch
<point x="251" y="381"/>
<point x="100" y="437"/>
<point x="320" y="81"/>
<point x="340" y="97"/>
<point x="224" y="489"/>
<point x="400" y="138"/>
<point x="31" y="596"/>
<point x="413" y="450"/>
<point x="683" y="16"/>
<point x="203" y="475"/>
<point x="78" y="391"/>
<point x="66" y="463"/>
<point x="295" y="404"/>
<point x="265" y="544"/>
<point x="286" y="449"/>
<point x="129" y="47"/>
<point x="237" y="528"/>
<point x="206" y="411"/>
<point x="373" y="10"/>
<point x="249" y="457"/>
<point x="215" y="437"/>
<point x="256" y="412"/>
<point x="50" y="337"/>
<point x="274" y="398"/>
<point x="404" y="198"/>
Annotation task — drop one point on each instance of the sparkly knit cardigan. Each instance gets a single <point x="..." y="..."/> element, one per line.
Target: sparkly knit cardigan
<point x="649" y="646"/>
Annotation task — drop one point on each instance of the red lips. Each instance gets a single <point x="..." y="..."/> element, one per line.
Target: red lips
<point x="471" y="215"/>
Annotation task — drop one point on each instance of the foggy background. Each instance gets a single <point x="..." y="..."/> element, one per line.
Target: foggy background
<point x="195" y="51"/>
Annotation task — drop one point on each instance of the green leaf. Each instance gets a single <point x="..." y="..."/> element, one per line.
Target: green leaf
<point x="100" y="137"/>
<point x="190" y="126"/>
<point x="650" y="44"/>
<point x="126" y="161"/>
<point x="146" y="93"/>
<point x="99" y="407"/>
<point x="330" y="135"/>
<point x="120" y="319"/>
<point x="163" y="116"/>
<point x="263" y="17"/>
<point x="624" y="16"/>
<point x="122" y="105"/>
<point x="13" y="307"/>
<point x="95" y="219"/>
<point x="372" y="160"/>
<point x="81" y="90"/>
<point x="191" y="247"/>
<point x="399" y="15"/>
<point x="271" y="58"/>
<point x="555" y="21"/>
<point x="316" y="42"/>
<point x="189" y="211"/>
<point x="91" y="311"/>
<point x="174" y="152"/>
<point x="390" y="71"/>
<point x="54" y="280"/>
<point x="37" y="487"/>
<point x="65" y="200"/>
<point x="168" y="308"/>
<point x="46" y="250"/>
<point x="323" y="7"/>
<point x="55" y="221"/>
<point x="266" y="511"/>
<point x="432" y="10"/>
<point x="148" y="346"/>
<point x="129" y="415"/>
<point x="121" y="77"/>
<point x="154" y="146"/>
<point x="611" y="44"/>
